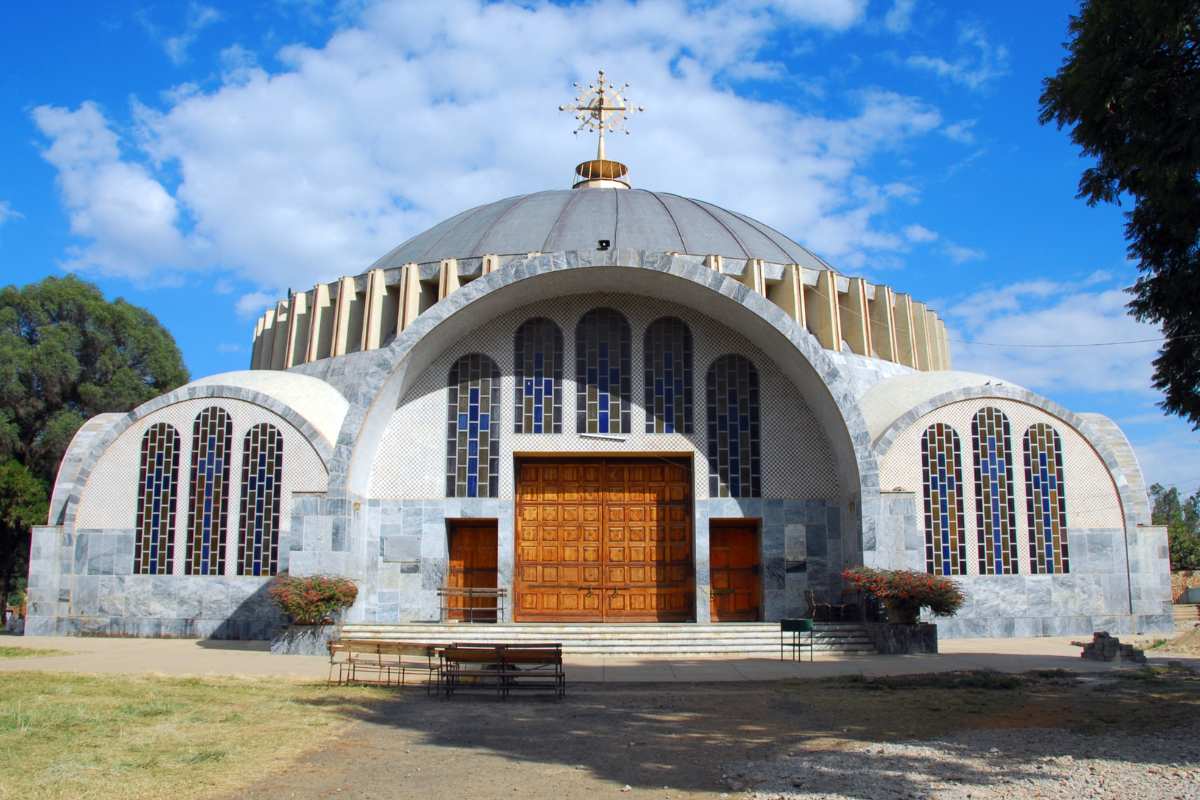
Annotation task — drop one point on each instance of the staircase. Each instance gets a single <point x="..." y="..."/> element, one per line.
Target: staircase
<point x="1187" y="615"/>
<point x="750" y="638"/>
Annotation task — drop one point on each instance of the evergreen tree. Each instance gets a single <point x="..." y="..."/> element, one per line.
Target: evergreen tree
<point x="1129" y="90"/>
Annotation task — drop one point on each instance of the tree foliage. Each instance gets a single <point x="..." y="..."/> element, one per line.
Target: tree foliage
<point x="66" y="354"/>
<point x="1182" y="518"/>
<point x="1129" y="90"/>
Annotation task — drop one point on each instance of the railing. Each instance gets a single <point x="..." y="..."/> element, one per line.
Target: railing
<point x="465" y="602"/>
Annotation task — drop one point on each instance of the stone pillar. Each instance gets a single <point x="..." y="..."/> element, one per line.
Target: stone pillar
<point x="280" y="340"/>
<point x="821" y="311"/>
<point x="266" y="340"/>
<point x="447" y="277"/>
<point x="341" y="316"/>
<point x="372" y="327"/>
<point x="320" y="331"/>
<point x="410" y="295"/>
<point x="903" y="318"/>
<point x="920" y="336"/>
<point x="853" y="319"/>
<point x="883" y="329"/>
<point x="752" y="276"/>
<point x="297" y="347"/>
<point x="788" y="294"/>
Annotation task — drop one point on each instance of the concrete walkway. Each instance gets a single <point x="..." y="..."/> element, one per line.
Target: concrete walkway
<point x="251" y="659"/>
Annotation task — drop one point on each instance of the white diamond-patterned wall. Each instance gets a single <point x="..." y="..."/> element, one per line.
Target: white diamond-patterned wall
<point x="797" y="460"/>
<point x="109" y="499"/>
<point x="1092" y="499"/>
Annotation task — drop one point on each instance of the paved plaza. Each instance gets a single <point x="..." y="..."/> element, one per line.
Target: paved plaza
<point x="252" y="659"/>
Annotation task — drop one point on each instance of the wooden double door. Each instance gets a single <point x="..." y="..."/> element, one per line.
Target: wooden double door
<point x="604" y="540"/>
<point x="735" y="569"/>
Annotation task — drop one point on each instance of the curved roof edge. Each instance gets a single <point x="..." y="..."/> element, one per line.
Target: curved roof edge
<point x="892" y="398"/>
<point x="312" y="398"/>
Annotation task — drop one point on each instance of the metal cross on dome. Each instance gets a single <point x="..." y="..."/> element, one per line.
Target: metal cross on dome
<point x="600" y="107"/>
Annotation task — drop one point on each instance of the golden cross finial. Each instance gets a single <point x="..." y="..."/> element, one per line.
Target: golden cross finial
<point x="600" y="107"/>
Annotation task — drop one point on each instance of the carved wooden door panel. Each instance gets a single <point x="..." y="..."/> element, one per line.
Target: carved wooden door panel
<point x="472" y="565"/>
<point x="734" y="566"/>
<point x="604" y="540"/>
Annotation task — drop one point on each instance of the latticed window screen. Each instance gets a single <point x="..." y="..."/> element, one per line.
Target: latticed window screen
<point x="158" y="487"/>
<point x="1045" y="500"/>
<point x="262" y="487"/>
<point x="212" y="446"/>
<point x="538" y="359"/>
<point x="995" y="505"/>
<point x="473" y="428"/>
<point x="602" y="372"/>
<point x="668" y="368"/>
<point x="733" y="428"/>
<point x="945" y="531"/>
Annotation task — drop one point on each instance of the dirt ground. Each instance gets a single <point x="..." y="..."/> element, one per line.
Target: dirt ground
<point x="676" y="741"/>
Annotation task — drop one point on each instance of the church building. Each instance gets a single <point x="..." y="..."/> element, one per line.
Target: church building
<point x="616" y="405"/>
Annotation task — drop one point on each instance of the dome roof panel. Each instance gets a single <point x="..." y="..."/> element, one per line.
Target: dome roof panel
<point x="574" y="219"/>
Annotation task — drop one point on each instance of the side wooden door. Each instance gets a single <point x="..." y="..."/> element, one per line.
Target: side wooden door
<point x="472" y="566"/>
<point x="735" y="567"/>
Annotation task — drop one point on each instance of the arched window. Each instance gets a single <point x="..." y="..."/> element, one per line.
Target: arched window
<point x="995" y="506"/>
<point x="602" y="367"/>
<point x="537" y="360"/>
<point x="258" y="522"/>
<point x="668" y="367"/>
<point x="473" y="428"/>
<point x="941" y="469"/>
<point x="1045" y="500"/>
<point x="212" y="443"/>
<point x="733" y="438"/>
<point x="158" y="486"/>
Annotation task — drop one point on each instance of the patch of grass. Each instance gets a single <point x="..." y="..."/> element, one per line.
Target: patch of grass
<point x="86" y="736"/>
<point x="29" y="652"/>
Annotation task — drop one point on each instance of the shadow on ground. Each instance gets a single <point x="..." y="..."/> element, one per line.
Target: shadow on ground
<point x="651" y="736"/>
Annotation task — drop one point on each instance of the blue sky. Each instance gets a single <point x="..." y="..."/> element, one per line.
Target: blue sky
<point x="200" y="158"/>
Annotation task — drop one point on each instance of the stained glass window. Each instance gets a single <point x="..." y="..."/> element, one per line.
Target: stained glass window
<point x="158" y="486"/>
<point x="262" y="475"/>
<point x="941" y="467"/>
<point x="602" y="372"/>
<point x="537" y="359"/>
<point x="212" y="435"/>
<point x="995" y="506"/>
<point x="668" y="374"/>
<point x="1045" y="500"/>
<point x="473" y="428"/>
<point x="733" y="435"/>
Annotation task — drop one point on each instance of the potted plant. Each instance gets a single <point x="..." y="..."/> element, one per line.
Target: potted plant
<point x="313" y="603"/>
<point x="904" y="593"/>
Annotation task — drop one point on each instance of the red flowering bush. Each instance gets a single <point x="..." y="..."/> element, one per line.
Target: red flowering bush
<point x="906" y="592"/>
<point x="312" y="600"/>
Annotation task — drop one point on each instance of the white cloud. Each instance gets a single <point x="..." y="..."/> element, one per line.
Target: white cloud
<point x="962" y="131"/>
<point x="919" y="234"/>
<point x="960" y="254"/>
<point x="1172" y="460"/>
<point x="404" y="117"/>
<point x="199" y="17"/>
<point x="128" y="219"/>
<point x="7" y="212"/>
<point x="979" y="62"/>
<point x="1007" y="329"/>
<point x="833" y="14"/>
<point x="254" y="303"/>
<point x="899" y="17"/>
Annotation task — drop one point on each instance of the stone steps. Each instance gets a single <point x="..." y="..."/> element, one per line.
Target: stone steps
<point x="1186" y="615"/>
<point x="632" y="639"/>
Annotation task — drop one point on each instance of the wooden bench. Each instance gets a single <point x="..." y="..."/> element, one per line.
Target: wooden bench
<point x="504" y="667"/>
<point x="387" y="659"/>
<point x="475" y="605"/>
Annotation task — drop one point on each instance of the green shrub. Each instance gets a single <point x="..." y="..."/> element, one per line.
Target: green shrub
<point x="313" y="600"/>
<point x="906" y="592"/>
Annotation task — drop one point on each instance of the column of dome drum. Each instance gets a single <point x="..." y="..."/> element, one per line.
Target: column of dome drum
<point x="365" y="312"/>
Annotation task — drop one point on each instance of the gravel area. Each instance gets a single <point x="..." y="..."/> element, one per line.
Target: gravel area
<point x="988" y="764"/>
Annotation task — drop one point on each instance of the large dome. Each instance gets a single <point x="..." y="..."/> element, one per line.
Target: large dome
<point x="575" y="219"/>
